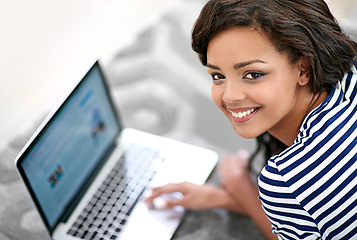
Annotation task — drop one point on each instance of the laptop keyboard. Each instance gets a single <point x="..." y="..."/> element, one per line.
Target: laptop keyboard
<point x="110" y="207"/>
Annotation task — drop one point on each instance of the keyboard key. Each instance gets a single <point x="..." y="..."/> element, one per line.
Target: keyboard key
<point x="116" y="197"/>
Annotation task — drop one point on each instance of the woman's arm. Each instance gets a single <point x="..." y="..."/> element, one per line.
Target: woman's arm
<point x="195" y="196"/>
<point x="238" y="193"/>
<point x="236" y="180"/>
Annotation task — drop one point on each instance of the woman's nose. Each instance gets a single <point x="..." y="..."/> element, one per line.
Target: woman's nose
<point x="233" y="91"/>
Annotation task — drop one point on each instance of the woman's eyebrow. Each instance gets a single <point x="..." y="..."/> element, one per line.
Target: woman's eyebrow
<point x="237" y="65"/>
<point x="244" y="64"/>
<point x="212" y="66"/>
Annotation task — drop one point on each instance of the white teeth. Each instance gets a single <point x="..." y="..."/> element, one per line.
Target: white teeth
<point x="242" y="114"/>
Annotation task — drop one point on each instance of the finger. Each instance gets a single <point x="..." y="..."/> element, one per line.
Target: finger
<point x="240" y="160"/>
<point x="175" y="202"/>
<point x="227" y="163"/>
<point x="166" y="189"/>
<point x="174" y="187"/>
<point x="154" y="194"/>
<point x="243" y="154"/>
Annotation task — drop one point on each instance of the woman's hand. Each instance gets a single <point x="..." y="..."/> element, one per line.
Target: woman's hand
<point x="234" y="172"/>
<point x="237" y="181"/>
<point x="195" y="196"/>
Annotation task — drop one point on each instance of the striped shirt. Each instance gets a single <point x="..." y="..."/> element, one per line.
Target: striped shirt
<point x="309" y="191"/>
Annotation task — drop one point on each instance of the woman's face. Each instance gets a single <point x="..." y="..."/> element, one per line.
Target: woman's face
<point x="254" y="85"/>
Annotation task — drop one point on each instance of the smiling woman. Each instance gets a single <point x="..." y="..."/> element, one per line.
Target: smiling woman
<point x="253" y="76"/>
<point x="283" y="72"/>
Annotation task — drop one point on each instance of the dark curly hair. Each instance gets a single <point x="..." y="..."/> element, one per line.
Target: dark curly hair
<point x="300" y="28"/>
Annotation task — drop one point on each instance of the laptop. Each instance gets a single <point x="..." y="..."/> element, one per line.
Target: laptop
<point x="87" y="174"/>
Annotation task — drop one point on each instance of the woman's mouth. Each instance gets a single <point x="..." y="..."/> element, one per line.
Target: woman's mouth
<point x="242" y="115"/>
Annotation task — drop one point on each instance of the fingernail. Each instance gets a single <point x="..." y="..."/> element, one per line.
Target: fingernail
<point x="242" y="153"/>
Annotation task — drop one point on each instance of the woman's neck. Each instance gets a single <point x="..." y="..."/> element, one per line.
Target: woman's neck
<point x="289" y="128"/>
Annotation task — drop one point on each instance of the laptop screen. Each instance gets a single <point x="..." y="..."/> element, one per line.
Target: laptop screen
<point x="71" y="145"/>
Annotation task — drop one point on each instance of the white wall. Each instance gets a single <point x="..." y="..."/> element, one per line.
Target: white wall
<point x="45" y="45"/>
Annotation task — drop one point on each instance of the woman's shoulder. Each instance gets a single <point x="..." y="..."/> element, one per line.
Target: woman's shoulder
<point x="326" y="144"/>
<point x="349" y="83"/>
<point x="327" y="127"/>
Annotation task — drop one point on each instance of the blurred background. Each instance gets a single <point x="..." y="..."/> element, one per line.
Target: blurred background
<point x="47" y="45"/>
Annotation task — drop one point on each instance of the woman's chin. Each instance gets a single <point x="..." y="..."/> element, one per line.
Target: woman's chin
<point x="247" y="134"/>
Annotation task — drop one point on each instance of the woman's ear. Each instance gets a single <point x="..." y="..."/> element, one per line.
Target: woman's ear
<point x="304" y="71"/>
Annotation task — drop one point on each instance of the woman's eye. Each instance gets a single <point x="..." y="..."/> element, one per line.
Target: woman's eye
<point x="217" y="76"/>
<point x="253" y="75"/>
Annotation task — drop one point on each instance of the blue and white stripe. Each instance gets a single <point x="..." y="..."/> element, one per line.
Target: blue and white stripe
<point x="309" y="191"/>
